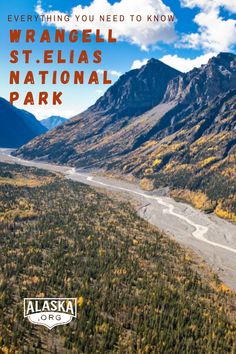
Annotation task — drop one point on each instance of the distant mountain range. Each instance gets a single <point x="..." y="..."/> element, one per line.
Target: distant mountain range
<point x="17" y="126"/>
<point x="162" y="126"/>
<point x="52" y="122"/>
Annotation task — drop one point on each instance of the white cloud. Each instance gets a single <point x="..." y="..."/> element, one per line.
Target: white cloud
<point x="179" y="63"/>
<point x="138" y="63"/>
<point x="215" y="33"/>
<point x="229" y="5"/>
<point x="100" y="92"/>
<point x="113" y="73"/>
<point x="148" y="33"/>
<point x="186" y="64"/>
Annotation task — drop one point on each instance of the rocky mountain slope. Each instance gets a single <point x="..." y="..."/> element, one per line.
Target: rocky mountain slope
<point x="52" y="122"/>
<point x="163" y="127"/>
<point x="17" y="126"/>
<point x="134" y="93"/>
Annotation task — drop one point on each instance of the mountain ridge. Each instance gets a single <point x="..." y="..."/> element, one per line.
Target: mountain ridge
<point x="53" y="122"/>
<point x="17" y="126"/>
<point x="189" y="132"/>
<point x="139" y="80"/>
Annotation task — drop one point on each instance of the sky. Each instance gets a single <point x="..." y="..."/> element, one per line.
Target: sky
<point x="201" y="29"/>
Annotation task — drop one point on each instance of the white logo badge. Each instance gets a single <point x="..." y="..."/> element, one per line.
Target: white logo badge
<point x="50" y="312"/>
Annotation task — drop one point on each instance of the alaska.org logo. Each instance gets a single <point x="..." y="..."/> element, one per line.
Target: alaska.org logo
<point x="50" y="312"/>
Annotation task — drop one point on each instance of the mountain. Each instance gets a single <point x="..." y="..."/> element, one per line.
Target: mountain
<point x="163" y="127"/>
<point x="52" y="122"/>
<point x="17" y="126"/>
<point x="134" y="93"/>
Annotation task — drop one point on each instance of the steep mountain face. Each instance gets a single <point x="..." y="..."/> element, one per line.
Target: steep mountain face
<point x="52" y="122"/>
<point x="204" y="84"/>
<point x="195" y="155"/>
<point x="135" y="92"/>
<point x="182" y="136"/>
<point x="17" y="126"/>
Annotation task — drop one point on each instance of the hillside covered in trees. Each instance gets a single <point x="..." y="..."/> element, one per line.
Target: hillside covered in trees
<point x="137" y="290"/>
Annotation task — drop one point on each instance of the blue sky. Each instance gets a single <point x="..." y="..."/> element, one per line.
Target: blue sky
<point x="201" y="30"/>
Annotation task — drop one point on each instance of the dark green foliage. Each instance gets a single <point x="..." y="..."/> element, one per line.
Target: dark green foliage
<point x="137" y="290"/>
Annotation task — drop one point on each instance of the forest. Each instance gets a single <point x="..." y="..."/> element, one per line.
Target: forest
<point x="138" y="291"/>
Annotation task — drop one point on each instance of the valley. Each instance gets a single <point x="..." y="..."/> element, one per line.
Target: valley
<point x="125" y="207"/>
<point x="118" y="224"/>
<point x="212" y="238"/>
<point x="137" y="290"/>
<point x="162" y="127"/>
